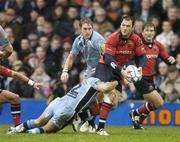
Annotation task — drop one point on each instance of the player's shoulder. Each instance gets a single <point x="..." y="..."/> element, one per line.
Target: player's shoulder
<point x="157" y="43"/>
<point x="97" y="37"/>
<point x="92" y="80"/>
<point x="113" y="37"/>
<point x="135" y="37"/>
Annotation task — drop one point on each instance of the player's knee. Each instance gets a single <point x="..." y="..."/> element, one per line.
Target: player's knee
<point x="15" y="99"/>
<point x="159" y="104"/>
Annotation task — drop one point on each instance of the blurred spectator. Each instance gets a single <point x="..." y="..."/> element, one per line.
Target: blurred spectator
<point x="170" y="93"/>
<point x="43" y="9"/>
<point x="53" y="57"/>
<point x="174" y="77"/>
<point x="64" y="27"/>
<point x="17" y="65"/>
<point x="40" y="76"/>
<point x="31" y="25"/>
<point x="21" y="88"/>
<point x="25" y="50"/>
<point x="23" y="8"/>
<point x="44" y="42"/>
<point x="157" y="23"/>
<point x="138" y="26"/>
<point x="101" y="20"/>
<point x="86" y="9"/>
<point x="145" y="13"/>
<point x="40" y="22"/>
<point x="11" y="38"/>
<point x="114" y="12"/>
<point x="165" y="36"/>
<point x="162" y="74"/>
<point x="178" y="62"/>
<point x="33" y="61"/>
<point x="41" y="54"/>
<point x="13" y="57"/>
<point x="77" y="28"/>
<point x="2" y="19"/>
<point x="174" y="48"/>
<point x="15" y="23"/>
<point x="33" y="41"/>
<point x="172" y="17"/>
<point x="48" y="30"/>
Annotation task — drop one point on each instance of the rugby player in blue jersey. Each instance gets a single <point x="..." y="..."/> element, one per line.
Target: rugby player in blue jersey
<point x="90" y="45"/>
<point x="61" y="111"/>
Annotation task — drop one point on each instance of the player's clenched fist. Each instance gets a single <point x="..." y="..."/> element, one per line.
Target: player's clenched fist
<point x="64" y="77"/>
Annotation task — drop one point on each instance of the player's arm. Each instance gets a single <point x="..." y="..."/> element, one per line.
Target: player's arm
<point x="163" y="54"/>
<point x="116" y="68"/>
<point x="107" y="86"/>
<point x="140" y="58"/>
<point x="22" y="77"/>
<point x="67" y="66"/>
<point x="6" y="46"/>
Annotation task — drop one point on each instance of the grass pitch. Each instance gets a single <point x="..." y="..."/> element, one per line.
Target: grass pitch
<point x="117" y="134"/>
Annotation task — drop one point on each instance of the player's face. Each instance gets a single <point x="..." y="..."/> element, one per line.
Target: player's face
<point x="148" y="33"/>
<point x="86" y="30"/>
<point x="126" y="27"/>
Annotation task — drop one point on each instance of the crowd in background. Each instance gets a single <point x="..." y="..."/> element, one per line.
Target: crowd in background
<point x="42" y="33"/>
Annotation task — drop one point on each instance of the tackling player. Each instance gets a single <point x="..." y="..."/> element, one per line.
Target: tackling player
<point x="61" y="111"/>
<point x="154" y="49"/>
<point x="12" y="98"/>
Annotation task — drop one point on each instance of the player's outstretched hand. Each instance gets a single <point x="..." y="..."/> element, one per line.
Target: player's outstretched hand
<point x="171" y="60"/>
<point x="38" y="85"/>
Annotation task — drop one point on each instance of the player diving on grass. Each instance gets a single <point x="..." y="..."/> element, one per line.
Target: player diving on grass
<point x="61" y="111"/>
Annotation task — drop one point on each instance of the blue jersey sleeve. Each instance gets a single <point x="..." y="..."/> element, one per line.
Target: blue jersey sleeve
<point x="75" y="48"/>
<point x="93" y="82"/>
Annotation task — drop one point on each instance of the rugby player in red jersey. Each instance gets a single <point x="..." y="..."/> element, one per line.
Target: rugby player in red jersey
<point x="154" y="49"/>
<point x="12" y="98"/>
<point x="120" y="47"/>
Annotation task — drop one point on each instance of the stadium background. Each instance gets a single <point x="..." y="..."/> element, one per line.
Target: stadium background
<point x="42" y="32"/>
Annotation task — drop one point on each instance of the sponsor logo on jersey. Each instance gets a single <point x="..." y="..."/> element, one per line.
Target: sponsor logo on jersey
<point x="151" y="56"/>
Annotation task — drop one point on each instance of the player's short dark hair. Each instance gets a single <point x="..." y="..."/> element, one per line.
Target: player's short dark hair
<point x="127" y="18"/>
<point x="87" y="21"/>
<point x="149" y="24"/>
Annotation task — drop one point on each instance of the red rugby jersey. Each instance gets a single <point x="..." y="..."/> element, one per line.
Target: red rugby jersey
<point x="5" y="71"/>
<point x="121" y="50"/>
<point x="152" y="54"/>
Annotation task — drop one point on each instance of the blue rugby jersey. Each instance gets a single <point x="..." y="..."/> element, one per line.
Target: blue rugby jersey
<point x="91" y="49"/>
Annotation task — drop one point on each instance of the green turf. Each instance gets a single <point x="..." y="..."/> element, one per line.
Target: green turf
<point x="117" y="134"/>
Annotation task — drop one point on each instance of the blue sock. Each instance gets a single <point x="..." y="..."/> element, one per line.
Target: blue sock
<point x="36" y="131"/>
<point x="29" y="124"/>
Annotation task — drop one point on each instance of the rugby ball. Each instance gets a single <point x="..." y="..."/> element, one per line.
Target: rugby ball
<point x="135" y="75"/>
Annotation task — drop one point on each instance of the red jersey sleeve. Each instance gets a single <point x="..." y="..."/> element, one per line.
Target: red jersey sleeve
<point x="163" y="54"/>
<point x="111" y="44"/>
<point x="5" y="71"/>
<point x="140" y="50"/>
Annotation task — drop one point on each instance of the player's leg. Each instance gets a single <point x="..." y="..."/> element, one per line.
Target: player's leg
<point x="153" y="99"/>
<point x="104" y="73"/>
<point x="153" y="102"/>
<point x="14" y="100"/>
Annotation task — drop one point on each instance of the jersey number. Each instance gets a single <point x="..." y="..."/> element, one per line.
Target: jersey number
<point x="73" y="93"/>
